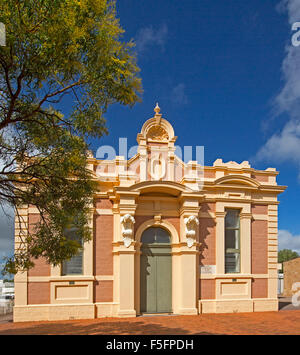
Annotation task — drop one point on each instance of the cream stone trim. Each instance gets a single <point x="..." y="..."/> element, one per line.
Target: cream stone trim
<point x="49" y="312"/>
<point x="68" y="278"/>
<point x="234" y="305"/>
<point x="104" y="211"/>
<point x="260" y="217"/>
<point x="77" y="291"/>
<point x="232" y="276"/>
<point x="163" y="223"/>
<point x="245" y="233"/>
<point x="230" y="289"/>
<point x="21" y="278"/>
<point x="272" y="250"/>
<point x="104" y="277"/>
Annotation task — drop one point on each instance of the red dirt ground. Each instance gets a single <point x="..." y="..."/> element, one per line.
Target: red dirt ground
<point x="287" y="322"/>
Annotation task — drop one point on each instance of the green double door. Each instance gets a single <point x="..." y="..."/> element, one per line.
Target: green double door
<point x="156" y="272"/>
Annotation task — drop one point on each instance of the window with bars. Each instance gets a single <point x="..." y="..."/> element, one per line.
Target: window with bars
<point x="232" y="241"/>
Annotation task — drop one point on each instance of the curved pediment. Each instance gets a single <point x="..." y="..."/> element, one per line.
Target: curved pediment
<point x="237" y="180"/>
<point x="165" y="187"/>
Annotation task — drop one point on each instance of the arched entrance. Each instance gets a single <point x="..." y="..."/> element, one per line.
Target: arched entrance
<point x="156" y="271"/>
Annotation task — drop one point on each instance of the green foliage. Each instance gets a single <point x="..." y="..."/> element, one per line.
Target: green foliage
<point x="286" y="255"/>
<point x="57" y="50"/>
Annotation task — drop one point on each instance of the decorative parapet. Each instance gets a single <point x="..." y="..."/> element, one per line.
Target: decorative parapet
<point x="127" y="222"/>
<point x="191" y="224"/>
<point x="232" y="164"/>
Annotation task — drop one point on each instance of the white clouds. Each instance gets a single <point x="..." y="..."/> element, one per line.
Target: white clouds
<point x="178" y="95"/>
<point x="149" y="36"/>
<point x="287" y="240"/>
<point x="285" y="146"/>
<point x="288" y="99"/>
<point x="292" y="7"/>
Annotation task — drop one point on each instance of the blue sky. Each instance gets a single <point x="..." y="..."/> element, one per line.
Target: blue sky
<point x="225" y="75"/>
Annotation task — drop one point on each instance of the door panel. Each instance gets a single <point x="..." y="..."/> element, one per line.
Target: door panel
<point x="163" y="283"/>
<point x="148" y="282"/>
<point x="156" y="279"/>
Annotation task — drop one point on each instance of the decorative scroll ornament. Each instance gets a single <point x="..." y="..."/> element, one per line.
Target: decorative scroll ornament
<point x="157" y="133"/>
<point x="127" y="222"/>
<point x="191" y="224"/>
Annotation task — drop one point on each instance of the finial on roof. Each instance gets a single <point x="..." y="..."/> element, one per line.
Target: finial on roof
<point x="157" y="114"/>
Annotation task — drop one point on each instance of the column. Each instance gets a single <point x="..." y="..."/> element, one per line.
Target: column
<point x="245" y="240"/>
<point x="220" y="241"/>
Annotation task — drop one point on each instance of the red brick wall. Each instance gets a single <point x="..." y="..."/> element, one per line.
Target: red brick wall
<point x="207" y="236"/>
<point x="259" y="247"/>
<point x="175" y="221"/>
<point x="260" y="288"/>
<point x="103" y="238"/>
<point x="207" y="289"/>
<point x="209" y="174"/>
<point x="41" y="267"/>
<point x="103" y="291"/>
<point x="259" y="209"/>
<point x="260" y="178"/>
<point x="38" y="292"/>
<point x="139" y="220"/>
<point x="103" y="203"/>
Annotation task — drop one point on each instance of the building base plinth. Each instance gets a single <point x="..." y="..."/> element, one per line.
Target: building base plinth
<point x="53" y="312"/>
<point x="188" y="311"/>
<point x="126" y="313"/>
<point x="238" y="306"/>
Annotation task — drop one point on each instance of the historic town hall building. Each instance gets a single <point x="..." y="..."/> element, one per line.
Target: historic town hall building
<point x="168" y="237"/>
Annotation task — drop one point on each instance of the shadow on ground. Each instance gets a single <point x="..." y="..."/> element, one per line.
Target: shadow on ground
<point x="98" y="327"/>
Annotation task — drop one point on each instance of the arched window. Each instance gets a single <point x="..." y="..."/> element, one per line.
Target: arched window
<point x="154" y="235"/>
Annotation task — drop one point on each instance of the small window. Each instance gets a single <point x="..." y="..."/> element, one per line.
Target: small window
<point x="74" y="266"/>
<point x="232" y="241"/>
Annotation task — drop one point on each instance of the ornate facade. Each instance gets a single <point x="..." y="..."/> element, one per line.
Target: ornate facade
<point x="168" y="236"/>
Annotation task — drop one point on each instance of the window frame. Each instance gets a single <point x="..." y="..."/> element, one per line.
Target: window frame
<point x="64" y="263"/>
<point x="233" y="250"/>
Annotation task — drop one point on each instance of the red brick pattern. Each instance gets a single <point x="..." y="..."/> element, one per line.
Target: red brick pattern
<point x="207" y="289"/>
<point x="259" y="247"/>
<point x="258" y="323"/>
<point x="103" y="291"/>
<point x="38" y="292"/>
<point x="259" y="209"/>
<point x="260" y="178"/>
<point x="103" y="203"/>
<point x="176" y="223"/>
<point x="41" y="268"/>
<point x="259" y="288"/>
<point x="207" y="207"/>
<point x="139" y="220"/>
<point x="207" y="239"/>
<point x="209" y="174"/>
<point x="103" y="237"/>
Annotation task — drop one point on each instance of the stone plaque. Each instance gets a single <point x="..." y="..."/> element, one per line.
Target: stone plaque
<point x="208" y="269"/>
